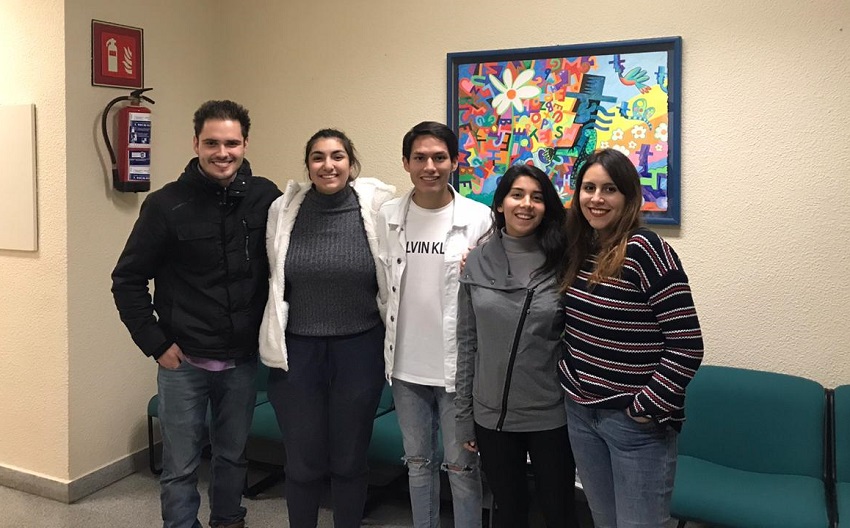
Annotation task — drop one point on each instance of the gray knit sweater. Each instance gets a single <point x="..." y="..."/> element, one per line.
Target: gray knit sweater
<point x="330" y="273"/>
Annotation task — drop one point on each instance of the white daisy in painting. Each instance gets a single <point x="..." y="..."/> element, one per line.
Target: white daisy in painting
<point x="513" y="91"/>
<point x="661" y="132"/>
<point x="624" y="150"/>
<point x="639" y="131"/>
<point x="617" y="135"/>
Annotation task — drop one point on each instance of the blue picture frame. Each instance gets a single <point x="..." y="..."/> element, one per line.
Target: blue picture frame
<point x="553" y="106"/>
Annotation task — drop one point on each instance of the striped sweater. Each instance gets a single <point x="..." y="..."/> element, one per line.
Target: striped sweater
<point x="633" y="342"/>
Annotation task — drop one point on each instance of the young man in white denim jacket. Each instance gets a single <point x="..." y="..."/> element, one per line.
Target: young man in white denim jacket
<point x="422" y="238"/>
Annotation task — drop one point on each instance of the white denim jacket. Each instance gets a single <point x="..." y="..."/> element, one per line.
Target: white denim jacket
<point x="371" y="193"/>
<point x="470" y="220"/>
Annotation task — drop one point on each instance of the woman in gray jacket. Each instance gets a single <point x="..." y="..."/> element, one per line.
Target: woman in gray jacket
<point x="509" y="403"/>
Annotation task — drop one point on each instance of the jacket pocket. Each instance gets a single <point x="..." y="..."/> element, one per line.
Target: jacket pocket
<point x="253" y="231"/>
<point x="199" y="245"/>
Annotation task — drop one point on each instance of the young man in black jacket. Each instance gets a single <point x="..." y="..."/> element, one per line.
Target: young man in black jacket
<point x="201" y="239"/>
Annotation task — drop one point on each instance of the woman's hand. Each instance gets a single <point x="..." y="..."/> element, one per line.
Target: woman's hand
<point x="463" y="257"/>
<point x="471" y="446"/>
<point x="638" y="419"/>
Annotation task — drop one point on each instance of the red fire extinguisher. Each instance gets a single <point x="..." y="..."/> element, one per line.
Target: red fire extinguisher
<point x="131" y="163"/>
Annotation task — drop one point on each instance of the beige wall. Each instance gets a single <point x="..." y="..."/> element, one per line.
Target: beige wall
<point x="74" y="387"/>
<point x="110" y="379"/>
<point x="33" y="285"/>
<point x="763" y="85"/>
<point x="765" y="233"/>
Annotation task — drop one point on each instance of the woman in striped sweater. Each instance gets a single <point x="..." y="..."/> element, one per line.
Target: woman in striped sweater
<point x="633" y="343"/>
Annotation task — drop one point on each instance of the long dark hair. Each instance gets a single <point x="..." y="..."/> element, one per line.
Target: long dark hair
<point x="583" y="241"/>
<point x="550" y="233"/>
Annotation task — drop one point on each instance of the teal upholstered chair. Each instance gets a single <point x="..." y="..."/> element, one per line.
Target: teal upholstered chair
<point x="264" y="426"/>
<point x="262" y="383"/>
<point x="153" y="412"/>
<point x="752" y="451"/>
<point x="842" y="453"/>
<point x="386" y="445"/>
<point x="386" y="404"/>
<point x="386" y="451"/>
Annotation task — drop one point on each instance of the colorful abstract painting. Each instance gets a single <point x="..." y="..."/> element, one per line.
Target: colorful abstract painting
<point x="552" y="107"/>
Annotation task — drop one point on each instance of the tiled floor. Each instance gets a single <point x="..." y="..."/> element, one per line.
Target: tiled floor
<point x="133" y="502"/>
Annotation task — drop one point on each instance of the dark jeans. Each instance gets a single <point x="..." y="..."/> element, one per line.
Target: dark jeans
<point x="184" y="394"/>
<point x="504" y="458"/>
<point x="325" y="405"/>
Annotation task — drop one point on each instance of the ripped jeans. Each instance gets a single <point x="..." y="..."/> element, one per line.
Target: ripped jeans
<point x="423" y="412"/>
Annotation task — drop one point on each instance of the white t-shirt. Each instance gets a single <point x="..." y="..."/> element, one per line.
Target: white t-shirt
<point x="419" y="356"/>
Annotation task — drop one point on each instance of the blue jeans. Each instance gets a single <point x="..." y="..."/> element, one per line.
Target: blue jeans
<point x="627" y="468"/>
<point x="184" y="394"/>
<point x="422" y="410"/>
<point x="325" y="405"/>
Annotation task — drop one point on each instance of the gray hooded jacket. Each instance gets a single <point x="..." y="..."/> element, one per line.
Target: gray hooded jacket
<point x="509" y="344"/>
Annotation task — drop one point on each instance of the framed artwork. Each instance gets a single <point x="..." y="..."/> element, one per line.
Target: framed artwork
<point x="117" y="55"/>
<point x="553" y="106"/>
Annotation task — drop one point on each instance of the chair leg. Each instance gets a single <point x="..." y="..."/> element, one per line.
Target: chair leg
<point x="378" y="492"/>
<point x="276" y="474"/>
<point x="151" y="461"/>
<point x="265" y="483"/>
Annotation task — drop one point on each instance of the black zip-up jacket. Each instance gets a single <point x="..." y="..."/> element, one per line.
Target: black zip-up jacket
<point x="204" y="246"/>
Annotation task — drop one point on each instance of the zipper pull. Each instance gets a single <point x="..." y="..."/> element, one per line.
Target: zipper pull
<point x="245" y="228"/>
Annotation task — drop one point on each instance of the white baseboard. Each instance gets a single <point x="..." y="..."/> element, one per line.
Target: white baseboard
<point x="68" y="492"/>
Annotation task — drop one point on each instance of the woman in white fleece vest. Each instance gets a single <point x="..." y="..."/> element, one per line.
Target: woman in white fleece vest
<point x="322" y="332"/>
